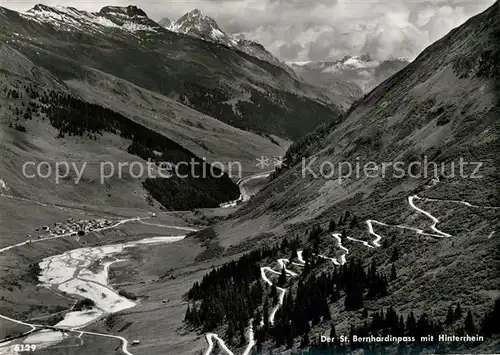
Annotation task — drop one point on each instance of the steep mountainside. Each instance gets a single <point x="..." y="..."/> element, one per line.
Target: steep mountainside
<point x="196" y="24"/>
<point x="442" y="105"/>
<point x="316" y="253"/>
<point x="423" y="206"/>
<point x="200" y="133"/>
<point x="228" y="85"/>
<point x="362" y="72"/>
<point x="44" y="122"/>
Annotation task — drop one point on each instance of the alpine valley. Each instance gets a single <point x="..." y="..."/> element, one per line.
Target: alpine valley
<point x="303" y="250"/>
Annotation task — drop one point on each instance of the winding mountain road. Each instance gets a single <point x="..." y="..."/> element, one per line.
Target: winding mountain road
<point x="341" y="261"/>
<point x="210" y="337"/>
<point x="263" y="270"/>
<point x="435" y="221"/>
<point x="241" y="183"/>
<point x="411" y="201"/>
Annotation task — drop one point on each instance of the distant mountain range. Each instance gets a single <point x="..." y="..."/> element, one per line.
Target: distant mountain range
<point x="130" y="18"/>
<point x="345" y="80"/>
<point x="362" y="71"/>
<point x="133" y="19"/>
<point x="350" y="76"/>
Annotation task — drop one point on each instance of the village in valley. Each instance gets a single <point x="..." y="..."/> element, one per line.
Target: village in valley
<point x="70" y="227"/>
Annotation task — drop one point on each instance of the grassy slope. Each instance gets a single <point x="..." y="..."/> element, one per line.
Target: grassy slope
<point x="398" y="121"/>
<point x="41" y="141"/>
<point x="203" y="135"/>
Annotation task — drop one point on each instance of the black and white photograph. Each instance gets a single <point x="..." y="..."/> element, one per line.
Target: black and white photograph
<point x="249" y="177"/>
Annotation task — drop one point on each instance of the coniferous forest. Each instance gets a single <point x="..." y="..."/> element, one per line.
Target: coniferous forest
<point x="233" y="295"/>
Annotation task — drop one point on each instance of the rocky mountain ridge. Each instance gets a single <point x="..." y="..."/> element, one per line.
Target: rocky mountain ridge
<point x="197" y="24"/>
<point x="130" y="18"/>
<point x="362" y="71"/>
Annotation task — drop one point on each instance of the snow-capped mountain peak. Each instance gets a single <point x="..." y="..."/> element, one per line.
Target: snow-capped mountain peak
<point x="197" y="24"/>
<point x="359" y="62"/>
<point x="124" y="12"/>
<point x="129" y="18"/>
<point x="132" y="19"/>
<point x="361" y="70"/>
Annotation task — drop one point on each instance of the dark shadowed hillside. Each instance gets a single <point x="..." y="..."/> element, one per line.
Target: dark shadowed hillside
<point x="34" y="108"/>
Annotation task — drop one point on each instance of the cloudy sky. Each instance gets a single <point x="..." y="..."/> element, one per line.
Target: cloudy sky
<point x="300" y="30"/>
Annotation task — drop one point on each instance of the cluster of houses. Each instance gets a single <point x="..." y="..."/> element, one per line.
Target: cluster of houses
<point x="73" y="227"/>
